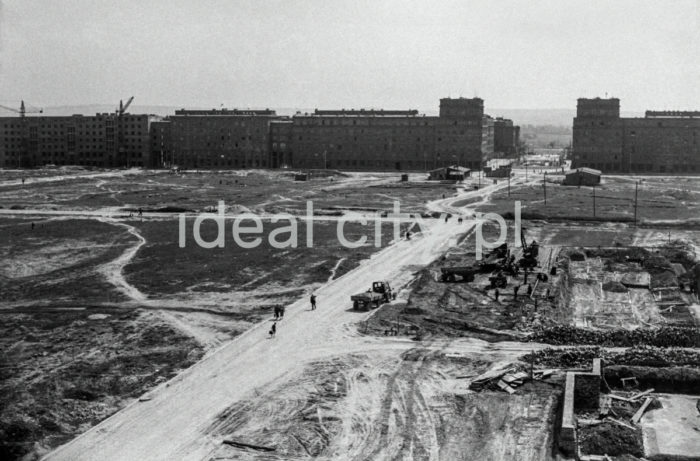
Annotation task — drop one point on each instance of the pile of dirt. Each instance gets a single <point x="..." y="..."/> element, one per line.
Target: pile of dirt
<point x="614" y="286"/>
<point x="638" y="356"/>
<point x="660" y="337"/>
<point x="611" y="439"/>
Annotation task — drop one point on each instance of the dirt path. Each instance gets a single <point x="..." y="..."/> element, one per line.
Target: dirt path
<point x="172" y="425"/>
<point x="114" y="270"/>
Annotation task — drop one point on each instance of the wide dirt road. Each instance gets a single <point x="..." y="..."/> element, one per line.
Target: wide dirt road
<point x="171" y="425"/>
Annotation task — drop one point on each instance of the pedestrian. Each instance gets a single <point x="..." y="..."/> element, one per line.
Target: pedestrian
<point x="277" y="312"/>
<point x="313" y="302"/>
<point x="22" y="180"/>
<point x="273" y="330"/>
<point x="529" y="289"/>
<point x="281" y="312"/>
<point x="496" y="294"/>
<point x="516" y="288"/>
<point x="547" y="294"/>
<point x="140" y="212"/>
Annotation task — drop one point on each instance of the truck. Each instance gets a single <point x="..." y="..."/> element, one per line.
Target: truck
<point x="379" y="294"/>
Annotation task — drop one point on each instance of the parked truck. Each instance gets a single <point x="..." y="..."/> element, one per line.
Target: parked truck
<point x="379" y="294"/>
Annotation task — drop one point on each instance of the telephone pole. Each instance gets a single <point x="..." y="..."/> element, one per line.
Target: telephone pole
<point x="544" y="184"/>
<point x="594" y="201"/>
<point x="636" y="186"/>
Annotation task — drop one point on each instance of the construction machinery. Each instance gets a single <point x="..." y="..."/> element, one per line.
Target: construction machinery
<point x="530" y="252"/>
<point x="450" y="274"/>
<point x="23" y="110"/>
<point x="122" y="157"/>
<point x="379" y="294"/>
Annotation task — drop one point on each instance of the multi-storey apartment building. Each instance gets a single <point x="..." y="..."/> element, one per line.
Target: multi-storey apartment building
<point x="103" y="140"/>
<point x="659" y="142"/>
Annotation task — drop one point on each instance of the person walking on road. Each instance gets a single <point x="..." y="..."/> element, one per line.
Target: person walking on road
<point x="313" y="302"/>
<point x="273" y="330"/>
<point x="515" y="291"/>
<point x="496" y="294"/>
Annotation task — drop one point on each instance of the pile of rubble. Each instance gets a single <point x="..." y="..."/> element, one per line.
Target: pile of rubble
<point x="577" y="357"/>
<point x="665" y="336"/>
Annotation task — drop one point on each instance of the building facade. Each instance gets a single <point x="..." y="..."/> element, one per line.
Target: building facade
<point x="102" y="140"/>
<point x="659" y="142"/>
<point x="460" y="135"/>
<point x="506" y="137"/>
<point x="221" y="138"/>
<point x="385" y="139"/>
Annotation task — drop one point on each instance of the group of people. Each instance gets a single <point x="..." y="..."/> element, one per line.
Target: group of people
<point x="279" y="315"/>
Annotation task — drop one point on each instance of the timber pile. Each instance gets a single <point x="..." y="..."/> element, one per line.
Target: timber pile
<point x="506" y="379"/>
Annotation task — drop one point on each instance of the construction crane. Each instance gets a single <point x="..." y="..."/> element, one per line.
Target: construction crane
<point x="23" y="110"/>
<point x="24" y="146"/>
<point x="121" y="150"/>
<point x="123" y="107"/>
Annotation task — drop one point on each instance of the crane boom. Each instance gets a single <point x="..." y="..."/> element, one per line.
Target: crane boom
<point x="22" y="110"/>
<point x="123" y="107"/>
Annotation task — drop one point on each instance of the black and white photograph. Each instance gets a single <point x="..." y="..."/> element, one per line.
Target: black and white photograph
<point x="271" y="230"/>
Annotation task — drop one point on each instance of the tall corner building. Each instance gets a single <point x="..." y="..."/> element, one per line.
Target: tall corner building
<point x="660" y="142"/>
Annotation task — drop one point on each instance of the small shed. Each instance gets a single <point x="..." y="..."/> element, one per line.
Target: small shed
<point x="449" y="173"/>
<point x="582" y="177"/>
<point x="503" y="171"/>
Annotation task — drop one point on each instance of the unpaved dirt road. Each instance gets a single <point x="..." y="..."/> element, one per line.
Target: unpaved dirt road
<point x="172" y="423"/>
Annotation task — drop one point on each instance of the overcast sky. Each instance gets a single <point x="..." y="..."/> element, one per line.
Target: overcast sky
<point x="342" y="54"/>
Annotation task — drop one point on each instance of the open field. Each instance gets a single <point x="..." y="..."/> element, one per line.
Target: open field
<point x="659" y="199"/>
<point x="104" y="311"/>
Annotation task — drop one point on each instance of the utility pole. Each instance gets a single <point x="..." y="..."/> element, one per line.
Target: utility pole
<point x="636" y="186"/>
<point x="594" y="201"/>
<point x="544" y="184"/>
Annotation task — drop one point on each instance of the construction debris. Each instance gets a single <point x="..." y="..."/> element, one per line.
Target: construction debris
<point x="638" y="415"/>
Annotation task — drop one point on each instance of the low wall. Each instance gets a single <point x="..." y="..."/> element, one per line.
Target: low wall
<point x="567" y="434"/>
<point x="582" y="392"/>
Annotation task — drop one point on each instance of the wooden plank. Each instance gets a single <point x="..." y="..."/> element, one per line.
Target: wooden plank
<point x="505" y="387"/>
<point x="237" y="444"/>
<point x="641" y="394"/>
<point x="619" y="397"/>
<point x="620" y="423"/>
<point x="637" y="416"/>
<point x="605" y="406"/>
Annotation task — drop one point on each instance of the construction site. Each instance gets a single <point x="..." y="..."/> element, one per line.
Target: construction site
<point x="574" y="337"/>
